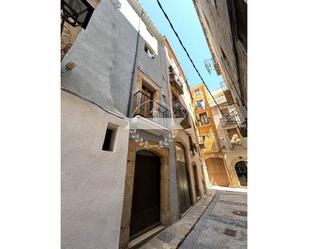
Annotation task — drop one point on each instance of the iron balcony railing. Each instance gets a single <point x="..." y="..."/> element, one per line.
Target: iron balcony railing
<point x="175" y="80"/>
<point x="144" y="106"/>
<point x="243" y="129"/>
<point x="230" y="119"/>
<point x="180" y="112"/>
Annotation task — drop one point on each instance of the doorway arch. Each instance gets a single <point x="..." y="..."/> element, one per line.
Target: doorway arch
<point x="184" y="196"/>
<point x="216" y="172"/>
<point x="241" y="171"/>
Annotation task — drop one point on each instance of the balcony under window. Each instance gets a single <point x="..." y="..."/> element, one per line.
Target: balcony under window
<point x="149" y="114"/>
<point x="180" y="112"/>
<point x="230" y="119"/>
<point x="175" y="81"/>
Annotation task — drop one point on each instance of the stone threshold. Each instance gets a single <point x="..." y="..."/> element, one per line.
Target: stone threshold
<point x="172" y="236"/>
<point x="144" y="237"/>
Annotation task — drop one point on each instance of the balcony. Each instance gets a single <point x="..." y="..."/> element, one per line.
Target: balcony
<point x="230" y="120"/>
<point x="175" y="81"/>
<point x="181" y="112"/>
<point x="243" y="129"/>
<point x="149" y="114"/>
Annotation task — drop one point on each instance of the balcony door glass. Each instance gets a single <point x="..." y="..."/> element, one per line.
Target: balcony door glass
<point x="147" y="102"/>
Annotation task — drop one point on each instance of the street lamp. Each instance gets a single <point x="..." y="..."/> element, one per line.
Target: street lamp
<point x="76" y="13"/>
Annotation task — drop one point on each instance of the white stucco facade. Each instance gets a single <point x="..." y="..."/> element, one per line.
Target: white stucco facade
<point x="92" y="179"/>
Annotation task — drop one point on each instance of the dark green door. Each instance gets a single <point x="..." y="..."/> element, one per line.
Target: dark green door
<point x="182" y="180"/>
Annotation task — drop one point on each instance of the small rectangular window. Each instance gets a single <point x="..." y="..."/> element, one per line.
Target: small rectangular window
<point x="148" y="50"/>
<point x="200" y="104"/>
<point x="197" y="92"/>
<point x="110" y="138"/>
<point x="203" y="119"/>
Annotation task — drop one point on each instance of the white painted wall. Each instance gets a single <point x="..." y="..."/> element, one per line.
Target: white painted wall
<point x="133" y="18"/>
<point x="92" y="180"/>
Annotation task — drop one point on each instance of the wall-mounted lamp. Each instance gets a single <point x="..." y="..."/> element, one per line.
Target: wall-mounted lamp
<point x="70" y="66"/>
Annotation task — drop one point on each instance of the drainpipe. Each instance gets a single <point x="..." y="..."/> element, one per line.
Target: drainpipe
<point x="134" y="68"/>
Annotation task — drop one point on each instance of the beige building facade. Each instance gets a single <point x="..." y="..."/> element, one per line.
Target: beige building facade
<point x="223" y="144"/>
<point x="232" y="141"/>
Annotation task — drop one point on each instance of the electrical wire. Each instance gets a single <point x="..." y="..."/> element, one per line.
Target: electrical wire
<point x="188" y="55"/>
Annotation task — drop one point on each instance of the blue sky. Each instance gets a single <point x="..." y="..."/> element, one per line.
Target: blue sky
<point x="185" y="20"/>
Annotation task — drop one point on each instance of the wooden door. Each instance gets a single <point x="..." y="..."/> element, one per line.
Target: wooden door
<point x="145" y="212"/>
<point x="182" y="180"/>
<point x="216" y="172"/>
<point x="147" y="99"/>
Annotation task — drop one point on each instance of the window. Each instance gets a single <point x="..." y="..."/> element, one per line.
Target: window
<point x="110" y="138"/>
<point x="197" y="91"/>
<point x="148" y="50"/>
<point x="203" y="119"/>
<point x="200" y="104"/>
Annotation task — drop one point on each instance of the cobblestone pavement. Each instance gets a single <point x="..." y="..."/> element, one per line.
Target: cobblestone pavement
<point x="172" y="236"/>
<point x="222" y="226"/>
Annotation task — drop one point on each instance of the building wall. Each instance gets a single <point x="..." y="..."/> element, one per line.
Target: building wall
<point x="104" y="55"/>
<point x="232" y="153"/>
<point x="208" y="130"/>
<point x="227" y="50"/>
<point x="92" y="186"/>
<point x="182" y="135"/>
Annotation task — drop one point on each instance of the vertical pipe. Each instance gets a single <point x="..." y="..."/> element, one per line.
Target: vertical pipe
<point x="134" y="69"/>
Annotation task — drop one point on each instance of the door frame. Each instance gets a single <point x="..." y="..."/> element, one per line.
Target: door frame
<point x="189" y="176"/>
<point x="165" y="217"/>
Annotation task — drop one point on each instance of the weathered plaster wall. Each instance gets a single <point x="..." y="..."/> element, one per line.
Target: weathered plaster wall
<point x="104" y="57"/>
<point x="92" y="179"/>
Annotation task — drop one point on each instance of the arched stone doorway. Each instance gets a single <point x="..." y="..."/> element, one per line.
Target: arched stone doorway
<point x="184" y="196"/>
<point x="145" y="212"/>
<point x="216" y="172"/>
<point x="135" y="149"/>
<point x="241" y="171"/>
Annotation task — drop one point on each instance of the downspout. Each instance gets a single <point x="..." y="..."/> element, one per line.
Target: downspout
<point x="134" y="68"/>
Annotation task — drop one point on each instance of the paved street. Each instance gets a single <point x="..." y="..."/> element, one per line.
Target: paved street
<point x="222" y="226"/>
